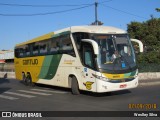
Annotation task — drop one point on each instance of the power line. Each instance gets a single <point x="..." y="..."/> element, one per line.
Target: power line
<point x="48" y="13"/>
<point x="105" y="1"/>
<point x="29" y="5"/>
<point x="65" y="5"/>
<point x="124" y="12"/>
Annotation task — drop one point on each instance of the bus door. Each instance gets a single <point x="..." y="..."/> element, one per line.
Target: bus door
<point x="88" y="69"/>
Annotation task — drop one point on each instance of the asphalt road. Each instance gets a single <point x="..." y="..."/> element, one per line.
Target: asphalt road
<point x="14" y="96"/>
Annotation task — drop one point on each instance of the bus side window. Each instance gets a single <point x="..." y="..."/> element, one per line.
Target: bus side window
<point x="78" y="36"/>
<point x="16" y="52"/>
<point x="21" y="52"/>
<point x="43" y="47"/>
<point x="66" y="45"/>
<point x="35" y="49"/>
<point x="28" y="50"/>
<point x="53" y="46"/>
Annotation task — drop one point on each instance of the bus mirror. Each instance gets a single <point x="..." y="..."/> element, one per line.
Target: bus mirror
<point x="140" y="44"/>
<point x="94" y="44"/>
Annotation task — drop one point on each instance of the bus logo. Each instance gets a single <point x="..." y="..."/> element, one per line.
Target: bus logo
<point x="88" y="85"/>
<point x="30" y="62"/>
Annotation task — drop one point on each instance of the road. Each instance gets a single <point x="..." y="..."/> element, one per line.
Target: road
<point x="14" y="96"/>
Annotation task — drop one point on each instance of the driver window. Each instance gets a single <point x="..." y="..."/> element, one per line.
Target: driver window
<point x="88" y="59"/>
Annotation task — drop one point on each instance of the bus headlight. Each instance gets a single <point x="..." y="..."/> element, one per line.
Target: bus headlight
<point x="100" y="77"/>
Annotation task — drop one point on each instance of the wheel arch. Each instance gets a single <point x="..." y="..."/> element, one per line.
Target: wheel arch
<point x="70" y="80"/>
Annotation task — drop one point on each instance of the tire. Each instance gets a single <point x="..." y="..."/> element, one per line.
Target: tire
<point x="74" y="86"/>
<point x="28" y="81"/>
<point x="23" y="78"/>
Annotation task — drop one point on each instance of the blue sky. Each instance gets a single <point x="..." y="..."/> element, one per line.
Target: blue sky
<point x="117" y="13"/>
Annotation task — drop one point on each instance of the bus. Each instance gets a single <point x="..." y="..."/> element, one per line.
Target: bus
<point x="89" y="58"/>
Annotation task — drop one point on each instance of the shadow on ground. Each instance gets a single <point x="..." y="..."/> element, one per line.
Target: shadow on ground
<point x="86" y="92"/>
<point x="4" y="89"/>
<point x="3" y="80"/>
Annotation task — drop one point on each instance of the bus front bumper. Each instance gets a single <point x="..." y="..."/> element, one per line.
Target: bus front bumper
<point x="104" y="86"/>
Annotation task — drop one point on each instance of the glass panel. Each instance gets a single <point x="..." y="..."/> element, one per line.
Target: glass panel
<point x="35" y="48"/>
<point x="43" y="47"/>
<point x="115" y="52"/>
<point x="88" y="59"/>
<point x="53" y="46"/>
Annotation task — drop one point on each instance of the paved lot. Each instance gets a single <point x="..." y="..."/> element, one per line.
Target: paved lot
<point x="14" y="96"/>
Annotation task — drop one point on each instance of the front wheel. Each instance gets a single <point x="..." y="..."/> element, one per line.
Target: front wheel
<point x="74" y="86"/>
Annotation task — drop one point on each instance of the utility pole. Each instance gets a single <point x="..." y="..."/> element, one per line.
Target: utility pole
<point x="96" y="15"/>
<point x="96" y="22"/>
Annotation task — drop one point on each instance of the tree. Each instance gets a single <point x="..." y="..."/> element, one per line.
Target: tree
<point x="158" y="9"/>
<point x="149" y="33"/>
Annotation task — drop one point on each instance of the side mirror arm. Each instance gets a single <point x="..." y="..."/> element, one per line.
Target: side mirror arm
<point x="94" y="44"/>
<point x="139" y="43"/>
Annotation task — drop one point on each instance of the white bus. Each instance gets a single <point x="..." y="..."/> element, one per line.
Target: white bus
<point x="90" y="58"/>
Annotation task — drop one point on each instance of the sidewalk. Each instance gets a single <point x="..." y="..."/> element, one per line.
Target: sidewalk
<point x="149" y="78"/>
<point x="144" y="78"/>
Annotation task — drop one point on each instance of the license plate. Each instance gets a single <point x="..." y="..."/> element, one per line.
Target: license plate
<point x="123" y="86"/>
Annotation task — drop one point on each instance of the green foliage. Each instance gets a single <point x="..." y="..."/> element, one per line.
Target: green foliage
<point x="145" y="67"/>
<point x="149" y="33"/>
<point x="150" y="57"/>
<point x="158" y="9"/>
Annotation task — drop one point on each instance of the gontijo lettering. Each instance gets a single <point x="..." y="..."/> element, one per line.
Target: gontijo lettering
<point x="30" y="62"/>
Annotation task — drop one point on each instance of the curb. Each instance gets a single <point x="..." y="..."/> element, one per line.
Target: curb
<point x="149" y="82"/>
<point x="149" y="76"/>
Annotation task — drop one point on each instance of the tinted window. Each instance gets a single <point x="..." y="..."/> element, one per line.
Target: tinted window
<point x="57" y="45"/>
<point x="78" y="37"/>
<point x="35" y="49"/>
<point x="54" y="46"/>
<point x="66" y="45"/>
<point x="88" y="58"/>
<point x="28" y="50"/>
<point x="43" y="47"/>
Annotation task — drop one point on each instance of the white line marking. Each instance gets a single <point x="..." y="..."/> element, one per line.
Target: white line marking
<point x="8" y="97"/>
<point x="32" y="92"/>
<point x="50" y="91"/>
<point x="18" y="94"/>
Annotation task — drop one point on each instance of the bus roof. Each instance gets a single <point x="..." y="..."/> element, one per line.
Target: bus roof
<point x="73" y="29"/>
<point x="98" y="29"/>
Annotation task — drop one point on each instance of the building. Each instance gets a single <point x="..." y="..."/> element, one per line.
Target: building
<point x="6" y="60"/>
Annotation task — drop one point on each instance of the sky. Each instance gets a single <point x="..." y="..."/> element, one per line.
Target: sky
<point x="16" y="27"/>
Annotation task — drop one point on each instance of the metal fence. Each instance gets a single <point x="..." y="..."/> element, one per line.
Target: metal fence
<point x="148" y="67"/>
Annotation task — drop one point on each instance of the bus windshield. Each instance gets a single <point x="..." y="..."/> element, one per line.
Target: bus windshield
<point x="115" y="52"/>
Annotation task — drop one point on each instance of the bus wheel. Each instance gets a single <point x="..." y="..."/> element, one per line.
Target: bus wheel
<point x="29" y="80"/>
<point x="74" y="86"/>
<point x="23" y="78"/>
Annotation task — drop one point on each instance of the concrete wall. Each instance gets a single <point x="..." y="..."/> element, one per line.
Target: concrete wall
<point x="149" y="75"/>
<point x="7" y="75"/>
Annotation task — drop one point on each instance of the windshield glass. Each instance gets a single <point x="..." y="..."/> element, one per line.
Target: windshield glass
<point x="115" y="52"/>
